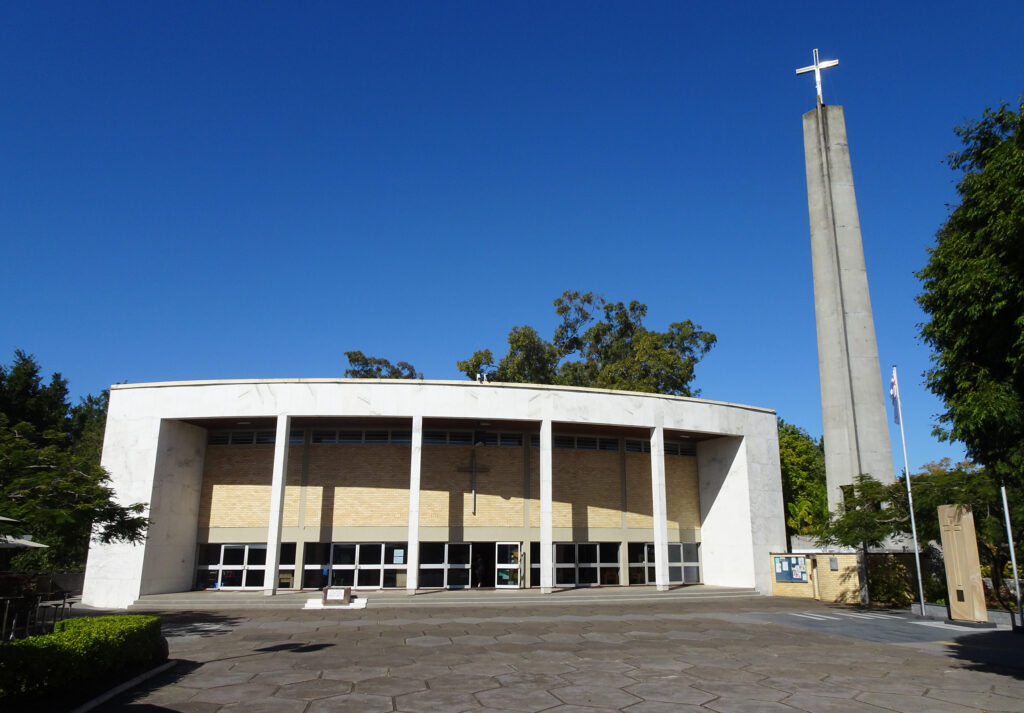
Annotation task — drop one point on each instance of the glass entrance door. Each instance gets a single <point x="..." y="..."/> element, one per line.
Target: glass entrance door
<point x="239" y="567"/>
<point x="508" y="557"/>
<point x="368" y="565"/>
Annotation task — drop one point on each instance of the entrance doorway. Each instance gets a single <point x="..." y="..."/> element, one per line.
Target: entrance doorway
<point x="234" y="567"/>
<point x="508" y="560"/>
<point x="368" y="565"/>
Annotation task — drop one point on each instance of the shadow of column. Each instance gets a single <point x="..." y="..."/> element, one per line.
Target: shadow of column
<point x="456" y="514"/>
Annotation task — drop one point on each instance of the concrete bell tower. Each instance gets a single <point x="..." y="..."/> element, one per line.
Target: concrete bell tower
<point x="853" y="411"/>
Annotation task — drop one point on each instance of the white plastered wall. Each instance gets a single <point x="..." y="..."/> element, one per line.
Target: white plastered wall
<point x="113" y="572"/>
<point x="741" y="506"/>
<point x="169" y="564"/>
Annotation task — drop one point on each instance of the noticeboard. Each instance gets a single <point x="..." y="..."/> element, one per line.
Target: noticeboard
<point x="790" y="569"/>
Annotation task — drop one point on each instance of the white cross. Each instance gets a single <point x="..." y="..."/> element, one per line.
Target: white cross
<point x="816" y="68"/>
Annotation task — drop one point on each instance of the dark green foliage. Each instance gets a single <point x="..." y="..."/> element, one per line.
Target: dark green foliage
<point x="599" y="344"/>
<point x="50" y="475"/>
<point x="974" y="297"/>
<point x="366" y="367"/>
<point x="81" y="656"/>
<point x="873" y="512"/>
<point x="803" y="480"/>
<point x="25" y="399"/>
<point x="865" y="518"/>
<point x="968" y="485"/>
<point x="891" y="581"/>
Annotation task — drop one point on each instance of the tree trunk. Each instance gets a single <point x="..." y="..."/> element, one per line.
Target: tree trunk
<point x="862" y="570"/>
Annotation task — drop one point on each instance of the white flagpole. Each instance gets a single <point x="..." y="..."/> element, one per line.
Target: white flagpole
<point x="894" y="391"/>
<point x="1013" y="556"/>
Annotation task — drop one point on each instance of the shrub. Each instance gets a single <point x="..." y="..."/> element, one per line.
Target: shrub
<point x="890" y="581"/>
<point x="83" y="654"/>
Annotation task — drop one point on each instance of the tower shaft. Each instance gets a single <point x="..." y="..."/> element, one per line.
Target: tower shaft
<point x="853" y="411"/>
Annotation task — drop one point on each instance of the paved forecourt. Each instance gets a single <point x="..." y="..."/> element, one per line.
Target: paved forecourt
<point x="683" y="650"/>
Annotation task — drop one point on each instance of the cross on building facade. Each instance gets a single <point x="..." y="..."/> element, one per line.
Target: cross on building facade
<point x="473" y="469"/>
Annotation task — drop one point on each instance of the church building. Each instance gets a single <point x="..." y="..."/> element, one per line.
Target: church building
<point x="281" y="484"/>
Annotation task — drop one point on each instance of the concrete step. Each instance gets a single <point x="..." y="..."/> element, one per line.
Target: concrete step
<point x="387" y="599"/>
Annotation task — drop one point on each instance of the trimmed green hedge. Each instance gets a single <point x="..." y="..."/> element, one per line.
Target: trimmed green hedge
<point x="81" y="654"/>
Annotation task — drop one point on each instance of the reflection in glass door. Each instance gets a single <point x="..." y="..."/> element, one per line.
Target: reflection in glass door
<point x="237" y="567"/>
<point x="507" y="561"/>
<point x="368" y="565"/>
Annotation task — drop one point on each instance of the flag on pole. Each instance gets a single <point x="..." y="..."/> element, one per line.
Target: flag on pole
<point x="894" y="392"/>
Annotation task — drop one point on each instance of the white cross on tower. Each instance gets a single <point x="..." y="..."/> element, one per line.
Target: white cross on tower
<point x="816" y="68"/>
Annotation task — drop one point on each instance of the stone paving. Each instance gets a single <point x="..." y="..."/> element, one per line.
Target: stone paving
<point x="647" y="655"/>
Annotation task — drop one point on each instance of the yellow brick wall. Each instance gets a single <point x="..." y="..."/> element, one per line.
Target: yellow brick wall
<point x="638" y="491"/>
<point x="793" y="589"/>
<point x="293" y="487"/>
<point x="842" y="585"/>
<point x="367" y="485"/>
<point x="445" y="496"/>
<point x="236" y="486"/>
<point x="682" y="492"/>
<point x="586" y="489"/>
<point x="358" y="485"/>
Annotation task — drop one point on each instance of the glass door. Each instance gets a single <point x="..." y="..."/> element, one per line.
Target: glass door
<point x="368" y="566"/>
<point x="239" y="567"/>
<point x="359" y="565"/>
<point x="507" y="561"/>
<point x="459" y="563"/>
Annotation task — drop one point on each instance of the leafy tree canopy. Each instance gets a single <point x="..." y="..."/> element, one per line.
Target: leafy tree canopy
<point x="803" y="480"/>
<point x="367" y="367"/>
<point x="50" y="475"/>
<point x="872" y="512"/>
<point x="865" y="518"/>
<point x="974" y="297"/>
<point x="599" y="344"/>
<point x="24" y="397"/>
<point x="967" y="484"/>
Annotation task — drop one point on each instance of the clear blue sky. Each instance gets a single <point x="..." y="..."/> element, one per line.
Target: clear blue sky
<point x="235" y="190"/>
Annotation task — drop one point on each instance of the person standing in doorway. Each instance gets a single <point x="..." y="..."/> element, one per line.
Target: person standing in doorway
<point x="478" y="571"/>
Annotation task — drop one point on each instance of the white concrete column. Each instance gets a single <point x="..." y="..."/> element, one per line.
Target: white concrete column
<point x="277" y="504"/>
<point x="546" y="524"/>
<point x="659" y="510"/>
<point x="413" y="554"/>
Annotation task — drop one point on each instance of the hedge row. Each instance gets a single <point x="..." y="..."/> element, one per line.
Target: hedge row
<point x="84" y="653"/>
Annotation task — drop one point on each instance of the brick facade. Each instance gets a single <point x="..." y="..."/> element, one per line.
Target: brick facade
<point x="841" y="585"/>
<point x="367" y="486"/>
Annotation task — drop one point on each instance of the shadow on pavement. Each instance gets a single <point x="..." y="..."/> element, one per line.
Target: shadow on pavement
<point x="122" y="703"/>
<point x="1000" y="652"/>
<point x="193" y="623"/>
<point x="295" y="648"/>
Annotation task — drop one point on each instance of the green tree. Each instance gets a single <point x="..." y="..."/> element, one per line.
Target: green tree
<point x="599" y="344"/>
<point x="24" y="397"/>
<point x="974" y="297"/>
<point x="367" y="367"/>
<point x="87" y="425"/>
<point x="966" y="484"/>
<point x="59" y="497"/>
<point x="50" y="476"/>
<point x="864" y="520"/>
<point x="872" y="512"/>
<point x="802" y="460"/>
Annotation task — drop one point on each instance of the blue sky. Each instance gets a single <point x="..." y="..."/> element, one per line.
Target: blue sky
<point x="236" y="190"/>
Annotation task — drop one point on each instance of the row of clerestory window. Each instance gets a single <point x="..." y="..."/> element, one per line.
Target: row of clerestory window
<point x="682" y="447"/>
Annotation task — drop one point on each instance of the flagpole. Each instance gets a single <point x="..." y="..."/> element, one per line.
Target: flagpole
<point x="1013" y="556"/>
<point x="897" y="405"/>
